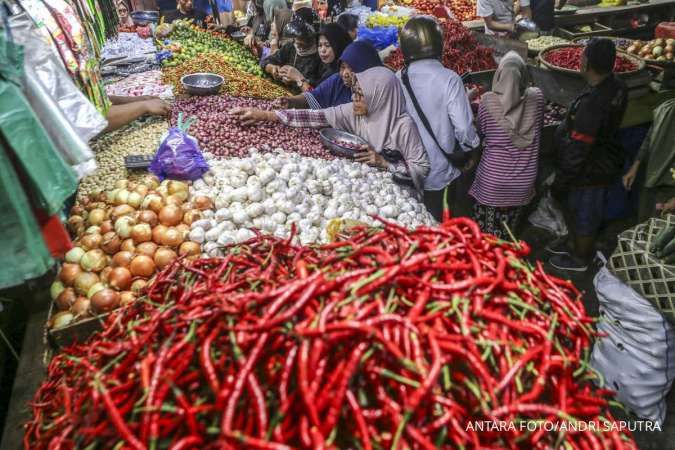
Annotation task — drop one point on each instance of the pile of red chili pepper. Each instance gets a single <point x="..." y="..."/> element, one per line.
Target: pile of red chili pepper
<point x="385" y="338"/>
<point x="570" y="58"/>
<point x="461" y="52"/>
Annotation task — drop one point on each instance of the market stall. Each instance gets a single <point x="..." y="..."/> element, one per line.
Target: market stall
<point x="261" y="269"/>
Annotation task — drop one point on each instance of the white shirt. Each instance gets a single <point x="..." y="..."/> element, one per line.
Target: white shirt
<point x="441" y="96"/>
<point x="502" y="10"/>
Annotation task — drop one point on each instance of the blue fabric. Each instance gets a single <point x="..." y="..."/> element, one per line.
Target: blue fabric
<point x="360" y="56"/>
<point x="380" y="37"/>
<point x="331" y="92"/>
<point x="205" y="7"/>
<point x="587" y="204"/>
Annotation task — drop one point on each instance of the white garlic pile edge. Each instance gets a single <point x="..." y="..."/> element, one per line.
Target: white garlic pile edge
<point x="272" y="191"/>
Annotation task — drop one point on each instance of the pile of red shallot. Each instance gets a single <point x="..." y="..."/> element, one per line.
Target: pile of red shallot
<point x="222" y="134"/>
<point x="122" y="237"/>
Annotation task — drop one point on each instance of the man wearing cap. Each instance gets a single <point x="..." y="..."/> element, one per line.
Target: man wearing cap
<point x="437" y="102"/>
<point x="589" y="155"/>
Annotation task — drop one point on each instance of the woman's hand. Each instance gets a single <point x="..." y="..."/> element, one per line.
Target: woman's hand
<point x="249" y="116"/>
<point x="290" y="75"/>
<point x="629" y="178"/>
<point x="273" y="70"/>
<point x="666" y="207"/>
<point x="249" y="40"/>
<point x="369" y="156"/>
<point x="156" y="107"/>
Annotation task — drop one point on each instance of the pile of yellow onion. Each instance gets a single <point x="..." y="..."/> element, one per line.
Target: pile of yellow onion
<point x="122" y="237"/>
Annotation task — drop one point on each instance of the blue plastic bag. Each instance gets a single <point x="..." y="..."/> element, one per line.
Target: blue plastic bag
<point x="380" y="37"/>
<point x="179" y="156"/>
<point x="205" y="7"/>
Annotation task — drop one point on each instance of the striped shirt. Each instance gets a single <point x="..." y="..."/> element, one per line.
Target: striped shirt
<point x="506" y="174"/>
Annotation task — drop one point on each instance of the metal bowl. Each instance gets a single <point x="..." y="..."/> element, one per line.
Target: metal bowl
<point x="238" y="36"/>
<point x="331" y="138"/>
<point x="202" y="83"/>
<point x="142" y="18"/>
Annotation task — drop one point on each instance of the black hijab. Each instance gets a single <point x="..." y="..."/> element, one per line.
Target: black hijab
<point x="338" y="39"/>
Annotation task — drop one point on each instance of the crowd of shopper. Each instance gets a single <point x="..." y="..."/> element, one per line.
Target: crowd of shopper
<point x="419" y="124"/>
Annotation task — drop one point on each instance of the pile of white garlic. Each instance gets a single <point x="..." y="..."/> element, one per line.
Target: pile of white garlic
<point x="272" y="191"/>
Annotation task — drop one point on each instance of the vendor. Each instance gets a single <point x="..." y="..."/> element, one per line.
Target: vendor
<point x="589" y="156"/>
<point x="350" y="22"/>
<point x="377" y="115"/>
<point x="510" y="121"/>
<point x="297" y="64"/>
<point x="336" y="89"/>
<point x="332" y="41"/>
<point x="185" y="10"/>
<point x="657" y="156"/>
<point x="442" y="114"/>
<point x="543" y="13"/>
<point x="123" y="13"/>
<point x="125" y="110"/>
<point x="281" y="16"/>
<point x="500" y="16"/>
<point x="258" y="27"/>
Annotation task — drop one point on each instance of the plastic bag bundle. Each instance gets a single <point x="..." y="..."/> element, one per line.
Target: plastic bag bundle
<point x="179" y="156"/>
<point x="637" y="355"/>
<point x="380" y="37"/>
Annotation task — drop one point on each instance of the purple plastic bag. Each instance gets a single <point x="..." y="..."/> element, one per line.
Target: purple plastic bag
<point x="179" y="156"/>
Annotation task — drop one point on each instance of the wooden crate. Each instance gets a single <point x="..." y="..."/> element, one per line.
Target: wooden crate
<point x="75" y="332"/>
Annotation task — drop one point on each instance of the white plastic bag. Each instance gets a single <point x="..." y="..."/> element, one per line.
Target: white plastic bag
<point x="547" y="215"/>
<point x="637" y="357"/>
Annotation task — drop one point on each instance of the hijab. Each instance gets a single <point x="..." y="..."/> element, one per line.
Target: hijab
<point x="511" y="103"/>
<point x="269" y="6"/>
<point x="128" y="22"/>
<point x="332" y="91"/>
<point x="338" y="39"/>
<point x="361" y="56"/>
<point x="387" y="124"/>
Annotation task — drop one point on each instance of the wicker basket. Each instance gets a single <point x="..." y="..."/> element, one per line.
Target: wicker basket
<point x="632" y="263"/>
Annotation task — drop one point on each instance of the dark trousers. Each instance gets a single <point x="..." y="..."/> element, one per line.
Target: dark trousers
<point x="459" y="202"/>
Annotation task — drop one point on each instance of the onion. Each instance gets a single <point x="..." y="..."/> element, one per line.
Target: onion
<point x="149" y="217"/>
<point x="151" y="181"/>
<point x="175" y="187"/>
<point x="141" y="233"/>
<point x="142" y="266"/>
<point x="137" y="285"/>
<point x="120" y="278"/>
<point x="175" y="200"/>
<point x="80" y="307"/>
<point x="153" y="202"/>
<point x="75" y="222"/>
<point x="142" y="190"/>
<point x="121" y="184"/>
<point x="122" y="259"/>
<point x="121" y="197"/>
<point x="55" y="289"/>
<point x="94" y="289"/>
<point x="94" y="229"/>
<point x="202" y="202"/>
<point x="135" y="199"/>
<point x="107" y="227"/>
<point x="94" y="261"/>
<point x="111" y="243"/>
<point x="85" y="281"/>
<point x="60" y="319"/>
<point x="128" y="245"/>
<point x="189" y="248"/>
<point x="65" y="299"/>
<point x="164" y="256"/>
<point x="191" y="216"/>
<point x="158" y="233"/>
<point x="69" y="273"/>
<point x="184" y="229"/>
<point x="105" y="300"/>
<point x="77" y="210"/>
<point x="173" y="237"/>
<point x="91" y="241"/>
<point x="122" y="210"/>
<point x="170" y="215"/>
<point x="123" y="226"/>
<point x="127" y="298"/>
<point x="96" y="216"/>
<point x="104" y="274"/>
<point x="74" y="255"/>
<point x="147" y="248"/>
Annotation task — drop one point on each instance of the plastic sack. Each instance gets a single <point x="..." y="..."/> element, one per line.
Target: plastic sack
<point x="548" y="216"/>
<point x="637" y="356"/>
<point x="665" y="30"/>
<point x="48" y="68"/>
<point x="380" y="37"/>
<point x="179" y="156"/>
